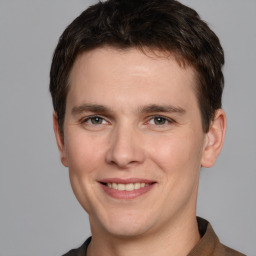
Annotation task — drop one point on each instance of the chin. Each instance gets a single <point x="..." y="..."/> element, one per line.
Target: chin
<point x="126" y="230"/>
<point x="120" y="221"/>
<point x="125" y="226"/>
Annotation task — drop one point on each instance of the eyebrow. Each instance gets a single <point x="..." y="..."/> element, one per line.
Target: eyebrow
<point x="153" y="108"/>
<point x="162" y="108"/>
<point x="95" y="108"/>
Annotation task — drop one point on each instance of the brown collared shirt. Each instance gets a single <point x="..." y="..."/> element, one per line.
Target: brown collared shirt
<point x="209" y="244"/>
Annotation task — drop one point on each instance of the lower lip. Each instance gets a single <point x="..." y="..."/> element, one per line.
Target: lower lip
<point x="123" y="194"/>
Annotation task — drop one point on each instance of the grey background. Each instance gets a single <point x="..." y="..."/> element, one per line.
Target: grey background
<point x="39" y="214"/>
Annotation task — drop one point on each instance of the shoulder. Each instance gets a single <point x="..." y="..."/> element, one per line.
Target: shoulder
<point x="80" y="251"/>
<point x="224" y="250"/>
<point x="210" y="245"/>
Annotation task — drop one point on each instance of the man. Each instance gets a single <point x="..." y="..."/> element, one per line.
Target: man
<point x="136" y="89"/>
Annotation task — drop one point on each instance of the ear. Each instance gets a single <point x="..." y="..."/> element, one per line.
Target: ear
<point x="59" y="140"/>
<point x="214" y="139"/>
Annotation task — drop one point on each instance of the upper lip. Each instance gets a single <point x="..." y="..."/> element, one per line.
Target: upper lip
<point x="126" y="181"/>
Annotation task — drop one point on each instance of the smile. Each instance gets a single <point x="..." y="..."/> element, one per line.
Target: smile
<point x="126" y="189"/>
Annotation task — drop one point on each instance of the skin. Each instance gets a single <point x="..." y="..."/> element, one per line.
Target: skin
<point x="128" y="140"/>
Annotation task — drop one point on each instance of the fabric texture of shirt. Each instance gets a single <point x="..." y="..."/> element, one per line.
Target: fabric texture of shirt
<point x="209" y="244"/>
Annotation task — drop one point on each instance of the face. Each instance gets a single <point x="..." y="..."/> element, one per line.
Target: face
<point x="133" y="140"/>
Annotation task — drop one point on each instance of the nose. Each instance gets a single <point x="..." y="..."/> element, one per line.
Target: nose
<point x="126" y="147"/>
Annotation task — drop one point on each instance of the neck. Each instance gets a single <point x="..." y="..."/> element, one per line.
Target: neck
<point x="176" y="240"/>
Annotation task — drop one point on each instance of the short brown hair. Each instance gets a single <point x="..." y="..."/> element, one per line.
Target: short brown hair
<point x="165" y="25"/>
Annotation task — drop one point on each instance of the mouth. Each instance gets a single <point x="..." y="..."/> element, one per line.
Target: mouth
<point x="126" y="189"/>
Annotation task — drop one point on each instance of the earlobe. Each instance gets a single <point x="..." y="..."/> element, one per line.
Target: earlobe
<point x="214" y="139"/>
<point x="59" y="140"/>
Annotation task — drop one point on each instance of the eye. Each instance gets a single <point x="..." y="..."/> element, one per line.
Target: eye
<point x="159" y="121"/>
<point x="94" y="120"/>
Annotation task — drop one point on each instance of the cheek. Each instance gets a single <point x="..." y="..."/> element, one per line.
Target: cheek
<point x="84" y="154"/>
<point x="85" y="159"/>
<point x="177" y="154"/>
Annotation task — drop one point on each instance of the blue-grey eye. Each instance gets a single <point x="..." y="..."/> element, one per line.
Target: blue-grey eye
<point x="96" y="120"/>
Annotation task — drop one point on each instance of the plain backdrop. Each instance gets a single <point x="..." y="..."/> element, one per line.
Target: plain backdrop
<point x="39" y="214"/>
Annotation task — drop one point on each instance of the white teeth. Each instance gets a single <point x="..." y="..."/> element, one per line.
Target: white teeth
<point x="127" y="187"/>
<point x="121" y="187"/>
<point x="136" y="185"/>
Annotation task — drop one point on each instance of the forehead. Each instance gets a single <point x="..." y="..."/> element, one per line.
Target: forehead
<point x="107" y="56"/>
<point x="105" y="74"/>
